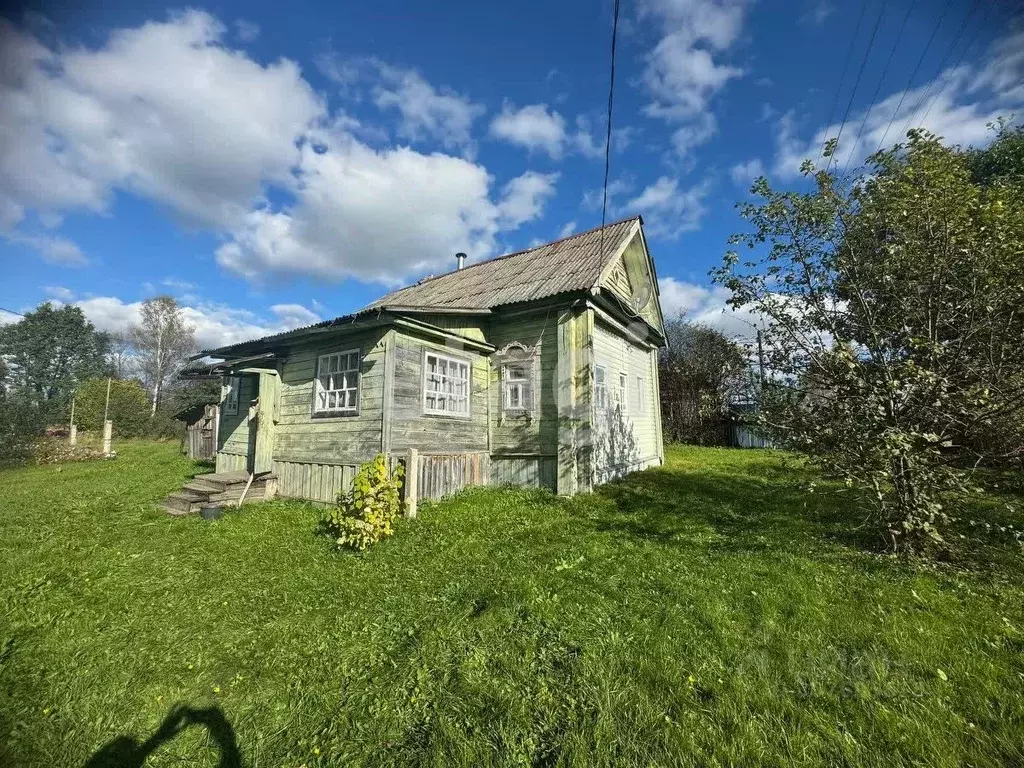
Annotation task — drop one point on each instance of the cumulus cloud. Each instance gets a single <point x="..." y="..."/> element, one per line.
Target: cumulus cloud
<point x="668" y="209"/>
<point x="524" y="197"/>
<point x="958" y="105"/>
<point x="52" y="249"/>
<point x="687" y="65"/>
<point x="215" y="324"/>
<point x="536" y="127"/>
<point x="59" y="292"/>
<point x="706" y="305"/>
<point x="744" y="173"/>
<point x="426" y="112"/>
<point x="169" y="112"/>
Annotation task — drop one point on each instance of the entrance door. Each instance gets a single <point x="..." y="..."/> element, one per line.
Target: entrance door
<point x="262" y="422"/>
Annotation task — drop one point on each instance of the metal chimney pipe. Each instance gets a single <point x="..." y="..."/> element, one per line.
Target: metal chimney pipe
<point x="460" y="260"/>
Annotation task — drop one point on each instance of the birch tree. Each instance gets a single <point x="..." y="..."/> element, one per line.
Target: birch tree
<point x="162" y="340"/>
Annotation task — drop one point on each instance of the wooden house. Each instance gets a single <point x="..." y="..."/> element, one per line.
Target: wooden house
<point x="537" y="368"/>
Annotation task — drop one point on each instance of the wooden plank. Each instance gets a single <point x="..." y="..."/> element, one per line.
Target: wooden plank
<point x="566" y="401"/>
<point x="387" y="393"/>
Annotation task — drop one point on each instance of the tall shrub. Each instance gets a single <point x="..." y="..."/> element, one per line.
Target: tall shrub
<point x="366" y="512"/>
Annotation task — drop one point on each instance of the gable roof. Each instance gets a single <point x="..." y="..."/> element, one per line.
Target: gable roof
<point x="574" y="263"/>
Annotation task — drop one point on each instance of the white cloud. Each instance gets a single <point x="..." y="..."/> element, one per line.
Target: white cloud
<point x="247" y="31"/>
<point x="685" y="68"/>
<point x="744" y="173"/>
<point x="215" y="324"/>
<point x="54" y="250"/>
<point x="524" y="197"/>
<point x="377" y="215"/>
<point x="7" y="317"/>
<point x="168" y="112"/>
<point x="162" y="110"/>
<point x="59" y="292"/>
<point x="667" y="209"/>
<point x="427" y="113"/>
<point x="819" y="11"/>
<point x="535" y="127"/>
<point x="958" y="106"/>
<point x="707" y="306"/>
<point x="567" y="229"/>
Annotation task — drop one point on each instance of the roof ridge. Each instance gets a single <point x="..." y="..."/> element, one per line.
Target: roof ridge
<point x="427" y="279"/>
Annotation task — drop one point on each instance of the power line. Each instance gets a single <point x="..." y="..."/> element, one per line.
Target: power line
<point x="942" y="64"/>
<point x="608" y="137"/>
<point x="842" y="77"/>
<point x="881" y="79"/>
<point x="856" y="84"/>
<point x="963" y="53"/>
<point x="11" y="312"/>
<point x="913" y="74"/>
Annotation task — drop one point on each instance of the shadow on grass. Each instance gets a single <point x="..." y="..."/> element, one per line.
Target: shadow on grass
<point x="769" y="507"/>
<point x="126" y="752"/>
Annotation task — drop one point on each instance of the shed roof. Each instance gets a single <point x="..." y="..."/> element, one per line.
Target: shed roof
<point x="572" y="263"/>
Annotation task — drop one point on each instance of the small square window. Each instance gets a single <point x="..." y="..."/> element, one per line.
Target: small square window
<point x="336" y="388"/>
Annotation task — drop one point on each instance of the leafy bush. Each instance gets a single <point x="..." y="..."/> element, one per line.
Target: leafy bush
<point x="366" y="513"/>
<point x="129" y="406"/>
<point x="21" y="423"/>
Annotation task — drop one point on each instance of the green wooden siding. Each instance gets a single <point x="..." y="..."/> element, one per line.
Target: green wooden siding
<point x="351" y="439"/>
<point x="624" y="439"/>
<point x="410" y="427"/>
<point x="518" y="434"/>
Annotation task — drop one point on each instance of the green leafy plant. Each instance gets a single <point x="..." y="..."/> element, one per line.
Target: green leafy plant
<point x="366" y="512"/>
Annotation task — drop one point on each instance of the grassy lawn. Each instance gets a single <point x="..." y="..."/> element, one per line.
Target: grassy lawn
<point x="705" y="613"/>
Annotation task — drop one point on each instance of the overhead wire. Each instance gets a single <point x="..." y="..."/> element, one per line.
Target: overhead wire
<point x="881" y="80"/>
<point x="608" y="136"/>
<point x="950" y="72"/>
<point x="842" y="77"/>
<point x="913" y="74"/>
<point x="942" y="64"/>
<point x="856" y="84"/>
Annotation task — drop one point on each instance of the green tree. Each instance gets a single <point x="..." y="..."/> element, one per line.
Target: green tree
<point x="698" y="371"/>
<point x="129" y="406"/>
<point x="48" y="353"/>
<point x="892" y="312"/>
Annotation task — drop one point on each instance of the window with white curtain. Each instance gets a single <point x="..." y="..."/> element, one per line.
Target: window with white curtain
<point x="337" y="383"/>
<point x="231" y="386"/>
<point x="445" y="385"/>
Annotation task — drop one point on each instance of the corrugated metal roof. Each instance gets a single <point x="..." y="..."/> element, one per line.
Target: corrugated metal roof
<point x="571" y="264"/>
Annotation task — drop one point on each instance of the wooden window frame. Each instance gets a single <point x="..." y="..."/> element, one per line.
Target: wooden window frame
<point x="230" y="407"/>
<point x="601" y="388"/>
<point x="433" y="412"/>
<point x="622" y="392"/>
<point x="641" y="395"/>
<point x="517" y="355"/>
<point x="337" y="413"/>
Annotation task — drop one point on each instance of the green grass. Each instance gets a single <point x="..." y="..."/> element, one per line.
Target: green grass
<point x="705" y="613"/>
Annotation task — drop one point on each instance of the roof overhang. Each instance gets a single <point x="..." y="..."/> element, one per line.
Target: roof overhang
<point x="200" y="369"/>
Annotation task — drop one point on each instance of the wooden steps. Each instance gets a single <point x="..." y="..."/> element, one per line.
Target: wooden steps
<point x="217" y="489"/>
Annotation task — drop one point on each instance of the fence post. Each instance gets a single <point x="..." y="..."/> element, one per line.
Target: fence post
<point x="412" y="477"/>
<point x="73" y="435"/>
<point x="108" y="428"/>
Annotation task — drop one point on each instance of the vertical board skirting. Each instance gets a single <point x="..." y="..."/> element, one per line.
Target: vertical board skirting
<point x="442" y="475"/>
<point x="230" y="462"/>
<point x="315" y="482"/>
<point x="525" y="471"/>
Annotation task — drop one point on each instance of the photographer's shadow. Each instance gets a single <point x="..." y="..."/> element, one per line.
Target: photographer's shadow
<point x="126" y="752"/>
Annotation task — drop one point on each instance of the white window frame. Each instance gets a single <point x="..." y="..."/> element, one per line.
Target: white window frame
<point x="232" y="385"/>
<point x="641" y="395"/>
<point x="448" y="396"/>
<point x="600" y="387"/>
<point x="522" y="384"/>
<point x="622" y="392"/>
<point x="341" y="392"/>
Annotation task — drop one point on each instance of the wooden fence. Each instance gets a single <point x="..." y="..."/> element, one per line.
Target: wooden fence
<point x="201" y="436"/>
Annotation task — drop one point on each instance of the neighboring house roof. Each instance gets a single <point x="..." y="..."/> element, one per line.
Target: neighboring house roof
<point x="571" y="264"/>
<point x="568" y="265"/>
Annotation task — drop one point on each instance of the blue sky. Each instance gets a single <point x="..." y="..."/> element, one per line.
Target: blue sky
<point x="272" y="164"/>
